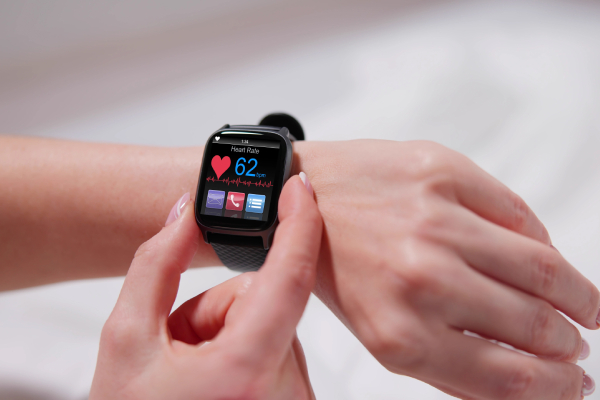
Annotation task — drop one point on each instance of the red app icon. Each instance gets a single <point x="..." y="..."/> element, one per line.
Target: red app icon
<point x="235" y="201"/>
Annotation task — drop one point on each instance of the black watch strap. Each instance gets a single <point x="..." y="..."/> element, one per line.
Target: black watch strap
<point x="239" y="253"/>
<point x="240" y="259"/>
<point x="243" y="253"/>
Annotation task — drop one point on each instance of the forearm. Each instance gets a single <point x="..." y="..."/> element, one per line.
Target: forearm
<point x="74" y="210"/>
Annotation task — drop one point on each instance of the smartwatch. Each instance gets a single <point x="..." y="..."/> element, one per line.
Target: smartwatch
<point x="243" y="172"/>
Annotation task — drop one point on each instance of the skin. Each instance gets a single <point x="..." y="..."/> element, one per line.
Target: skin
<point x="438" y="247"/>
<point x="249" y="320"/>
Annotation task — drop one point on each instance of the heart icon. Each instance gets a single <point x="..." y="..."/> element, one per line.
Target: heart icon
<point x="220" y="165"/>
<point x="217" y="138"/>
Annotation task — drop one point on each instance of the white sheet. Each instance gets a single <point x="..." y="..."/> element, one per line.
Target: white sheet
<point x="514" y="85"/>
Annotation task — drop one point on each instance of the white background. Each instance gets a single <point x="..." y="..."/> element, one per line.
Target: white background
<point x="515" y="85"/>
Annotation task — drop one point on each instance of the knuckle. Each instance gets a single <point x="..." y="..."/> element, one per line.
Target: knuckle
<point x="152" y="250"/>
<point x="443" y="183"/>
<point x="304" y="276"/>
<point x="419" y="272"/>
<point x="522" y="219"/>
<point x="429" y="219"/>
<point x="540" y="328"/>
<point x="397" y="349"/>
<point x="119" y="334"/>
<point x="110" y="333"/>
<point x="518" y="383"/>
<point x="427" y="158"/>
<point x="546" y="270"/>
<point x="520" y="214"/>
<point x="144" y="250"/>
<point x="303" y="273"/>
<point x="245" y="281"/>
<point x="419" y="281"/>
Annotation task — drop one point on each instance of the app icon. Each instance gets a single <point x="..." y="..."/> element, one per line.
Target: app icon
<point x="255" y="203"/>
<point x="215" y="199"/>
<point x="235" y="201"/>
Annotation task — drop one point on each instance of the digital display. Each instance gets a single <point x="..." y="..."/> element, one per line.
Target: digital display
<point x="240" y="177"/>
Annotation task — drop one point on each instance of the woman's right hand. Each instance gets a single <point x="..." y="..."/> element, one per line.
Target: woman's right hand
<point x="419" y="245"/>
<point x="250" y="320"/>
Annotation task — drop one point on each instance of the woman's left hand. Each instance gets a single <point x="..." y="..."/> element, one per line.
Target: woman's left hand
<point x="237" y="340"/>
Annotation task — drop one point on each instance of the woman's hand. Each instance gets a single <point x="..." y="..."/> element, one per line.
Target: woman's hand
<point x="234" y="341"/>
<point x="419" y="245"/>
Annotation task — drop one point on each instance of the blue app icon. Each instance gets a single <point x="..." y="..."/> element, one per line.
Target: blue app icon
<point x="255" y="203"/>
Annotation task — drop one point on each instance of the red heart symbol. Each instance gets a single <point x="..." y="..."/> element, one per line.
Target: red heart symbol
<point x="220" y="165"/>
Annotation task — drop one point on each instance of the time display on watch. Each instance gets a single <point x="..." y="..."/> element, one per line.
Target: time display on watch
<point x="240" y="177"/>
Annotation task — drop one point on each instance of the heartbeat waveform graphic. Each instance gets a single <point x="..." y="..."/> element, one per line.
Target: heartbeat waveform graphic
<point x="239" y="181"/>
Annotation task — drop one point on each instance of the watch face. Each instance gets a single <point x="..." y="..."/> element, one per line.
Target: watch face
<point x="240" y="180"/>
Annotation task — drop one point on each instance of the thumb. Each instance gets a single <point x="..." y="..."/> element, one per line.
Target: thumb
<point x="264" y="323"/>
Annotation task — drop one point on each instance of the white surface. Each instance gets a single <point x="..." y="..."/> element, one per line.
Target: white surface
<point x="514" y="85"/>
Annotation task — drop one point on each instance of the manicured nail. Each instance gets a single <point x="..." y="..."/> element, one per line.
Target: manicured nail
<point x="598" y="318"/>
<point x="306" y="182"/>
<point x="176" y="210"/>
<point x="585" y="350"/>
<point x="588" y="385"/>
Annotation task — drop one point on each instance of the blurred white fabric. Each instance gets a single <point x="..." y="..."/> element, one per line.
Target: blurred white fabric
<point x="515" y="85"/>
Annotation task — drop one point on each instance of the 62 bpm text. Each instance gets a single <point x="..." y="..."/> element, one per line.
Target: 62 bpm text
<point x="240" y="167"/>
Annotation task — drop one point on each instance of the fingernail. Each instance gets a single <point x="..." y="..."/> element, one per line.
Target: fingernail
<point x="598" y="318"/>
<point x="176" y="210"/>
<point x="585" y="350"/>
<point x="306" y="182"/>
<point x="588" y="385"/>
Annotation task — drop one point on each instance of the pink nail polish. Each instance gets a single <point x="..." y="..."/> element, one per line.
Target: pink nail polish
<point x="588" y="385"/>
<point x="585" y="350"/>
<point x="176" y="210"/>
<point x="306" y="182"/>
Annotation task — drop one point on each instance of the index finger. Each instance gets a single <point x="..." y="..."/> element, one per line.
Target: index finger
<point x="152" y="281"/>
<point x="267" y="316"/>
<point x="492" y="200"/>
